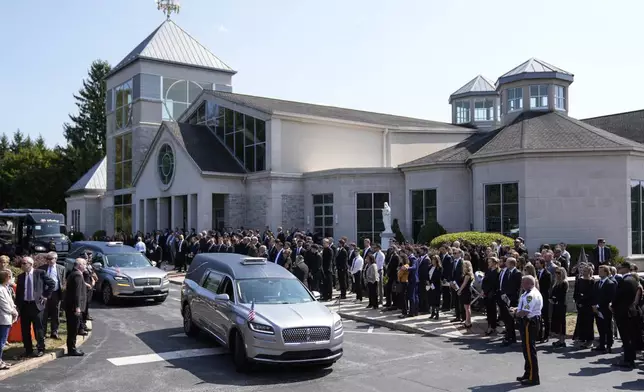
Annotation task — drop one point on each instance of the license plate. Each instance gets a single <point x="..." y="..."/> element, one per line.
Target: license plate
<point x="148" y="290"/>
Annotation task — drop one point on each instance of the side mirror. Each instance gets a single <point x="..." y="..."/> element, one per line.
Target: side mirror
<point x="222" y="297"/>
<point x="316" y="294"/>
<point x="97" y="266"/>
<point x="154" y="263"/>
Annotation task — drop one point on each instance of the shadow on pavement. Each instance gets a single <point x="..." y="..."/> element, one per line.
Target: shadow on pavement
<point x="504" y="387"/>
<point x="219" y="369"/>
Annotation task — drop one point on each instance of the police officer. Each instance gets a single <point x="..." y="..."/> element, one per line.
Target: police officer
<point x="528" y="313"/>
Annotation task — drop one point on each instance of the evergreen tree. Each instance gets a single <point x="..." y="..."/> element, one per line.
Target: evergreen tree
<point x="17" y="142"/>
<point x="4" y="145"/>
<point x="85" y="134"/>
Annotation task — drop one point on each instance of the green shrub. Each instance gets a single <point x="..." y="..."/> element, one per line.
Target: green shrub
<point x="473" y="237"/>
<point x="429" y="231"/>
<point x="575" y="251"/>
<point x="99" y="235"/>
<point x="15" y="271"/>
<point x="395" y="227"/>
<point x="77" y="236"/>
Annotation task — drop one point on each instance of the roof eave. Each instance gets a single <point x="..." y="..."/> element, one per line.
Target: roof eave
<point x="550" y="152"/>
<point x="121" y="67"/>
<point x="493" y="93"/>
<point x="431" y="165"/>
<point x="534" y="75"/>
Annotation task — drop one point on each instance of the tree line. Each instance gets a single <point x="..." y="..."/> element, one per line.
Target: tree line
<point x="33" y="175"/>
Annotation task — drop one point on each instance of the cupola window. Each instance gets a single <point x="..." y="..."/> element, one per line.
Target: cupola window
<point x="515" y="99"/>
<point x="539" y="97"/>
<point x="560" y="98"/>
<point x="484" y="110"/>
<point x="462" y="112"/>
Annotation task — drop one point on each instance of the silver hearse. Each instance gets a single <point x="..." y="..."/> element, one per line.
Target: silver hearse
<point x="259" y="311"/>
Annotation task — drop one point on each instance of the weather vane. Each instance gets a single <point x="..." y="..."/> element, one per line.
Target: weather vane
<point x="168" y="6"/>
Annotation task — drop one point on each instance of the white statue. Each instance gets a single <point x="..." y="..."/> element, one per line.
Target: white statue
<point x="386" y="218"/>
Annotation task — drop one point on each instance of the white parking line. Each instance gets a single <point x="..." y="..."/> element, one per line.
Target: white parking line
<point x="381" y="333"/>
<point x="167" y="356"/>
<point x="175" y="299"/>
<point x="370" y="330"/>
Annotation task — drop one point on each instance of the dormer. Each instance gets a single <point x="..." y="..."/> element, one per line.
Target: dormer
<point x="476" y="103"/>
<point x="533" y="86"/>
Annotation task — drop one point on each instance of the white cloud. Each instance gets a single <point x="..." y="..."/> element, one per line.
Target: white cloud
<point x="223" y="29"/>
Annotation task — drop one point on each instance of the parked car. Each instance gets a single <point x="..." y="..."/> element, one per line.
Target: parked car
<point x="259" y="311"/>
<point x="123" y="273"/>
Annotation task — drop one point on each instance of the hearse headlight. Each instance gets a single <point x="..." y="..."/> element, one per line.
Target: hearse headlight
<point x="261" y="328"/>
<point x="122" y="280"/>
<point x="338" y="325"/>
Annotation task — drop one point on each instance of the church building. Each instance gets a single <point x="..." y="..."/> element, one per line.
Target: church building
<point x="184" y="150"/>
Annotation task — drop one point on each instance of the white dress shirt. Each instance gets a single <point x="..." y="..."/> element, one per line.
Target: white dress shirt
<point x="140" y="246"/>
<point x="380" y="260"/>
<point x="357" y="265"/>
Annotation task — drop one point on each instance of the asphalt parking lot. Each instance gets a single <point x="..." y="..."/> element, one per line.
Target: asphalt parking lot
<point x="142" y="348"/>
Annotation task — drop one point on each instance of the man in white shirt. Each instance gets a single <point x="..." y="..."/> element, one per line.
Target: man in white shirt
<point x="529" y="313"/>
<point x="52" y="308"/>
<point x="140" y="245"/>
<point x="356" y="272"/>
<point x="380" y="263"/>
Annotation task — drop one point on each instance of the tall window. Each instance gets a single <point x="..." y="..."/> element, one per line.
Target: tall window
<point x="123" y="105"/>
<point x="178" y="95"/>
<point x="323" y="214"/>
<point x="369" y="215"/>
<point x="636" y="217"/>
<point x="75" y="220"/>
<point x="539" y="96"/>
<point x="243" y="135"/>
<point x="515" y="99"/>
<point x="560" y="98"/>
<point x="423" y="209"/>
<point x="502" y="208"/>
<point x="484" y="110"/>
<point x="198" y="117"/>
<point x="123" y="161"/>
<point x="123" y="213"/>
<point x="462" y="112"/>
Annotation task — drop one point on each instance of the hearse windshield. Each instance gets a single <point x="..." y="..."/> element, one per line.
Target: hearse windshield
<point x="47" y="229"/>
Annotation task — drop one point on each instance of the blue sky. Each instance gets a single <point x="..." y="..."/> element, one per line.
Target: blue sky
<point x="403" y="57"/>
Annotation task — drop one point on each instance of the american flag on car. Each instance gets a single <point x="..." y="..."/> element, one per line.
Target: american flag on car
<point x="251" y="314"/>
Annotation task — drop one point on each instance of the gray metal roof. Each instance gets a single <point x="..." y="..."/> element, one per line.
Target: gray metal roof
<point x="94" y="180"/>
<point x="534" y="69"/>
<point x="480" y="85"/>
<point x="551" y="131"/>
<point x="629" y="124"/>
<point x="272" y="105"/>
<point x="170" y="43"/>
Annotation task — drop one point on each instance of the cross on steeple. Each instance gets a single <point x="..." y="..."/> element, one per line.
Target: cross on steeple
<point x="168" y="6"/>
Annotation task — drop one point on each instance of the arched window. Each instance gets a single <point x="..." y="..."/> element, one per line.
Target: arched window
<point x="178" y="95"/>
<point x="165" y="161"/>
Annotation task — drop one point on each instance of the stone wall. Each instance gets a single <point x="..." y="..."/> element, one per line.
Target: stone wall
<point x="235" y="209"/>
<point x="108" y="219"/>
<point x="141" y="140"/>
<point x="255" y="211"/>
<point x="293" y="211"/>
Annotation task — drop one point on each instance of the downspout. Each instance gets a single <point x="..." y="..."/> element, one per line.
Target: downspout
<point x="471" y="174"/>
<point x="385" y="148"/>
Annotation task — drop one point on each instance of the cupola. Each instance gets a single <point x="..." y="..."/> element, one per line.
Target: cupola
<point x="476" y="103"/>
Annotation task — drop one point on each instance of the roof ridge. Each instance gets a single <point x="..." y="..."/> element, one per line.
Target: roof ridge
<point x="337" y="107"/>
<point x="612" y="114"/>
<point x="602" y="133"/>
<point x="198" y="42"/>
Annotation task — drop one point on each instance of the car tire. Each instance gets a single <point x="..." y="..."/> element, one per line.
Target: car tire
<point x="106" y="294"/>
<point x="240" y="359"/>
<point x="189" y="327"/>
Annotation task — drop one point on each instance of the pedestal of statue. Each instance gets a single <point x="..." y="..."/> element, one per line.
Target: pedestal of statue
<point x="385" y="239"/>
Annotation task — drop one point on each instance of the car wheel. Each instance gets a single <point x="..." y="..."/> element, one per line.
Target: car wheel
<point x="240" y="359"/>
<point x="108" y="298"/>
<point x="188" y="326"/>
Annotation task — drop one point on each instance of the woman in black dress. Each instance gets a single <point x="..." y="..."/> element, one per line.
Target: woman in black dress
<point x="584" y="287"/>
<point x="490" y="286"/>
<point x="465" y="293"/>
<point x="559" y="308"/>
<point x="434" y="292"/>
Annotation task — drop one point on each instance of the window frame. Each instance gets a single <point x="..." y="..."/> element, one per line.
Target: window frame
<point x="559" y="100"/>
<point x="515" y="99"/>
<point x="123" y="161"/>
<point x="327" y="231"/>
<point x="637" y="246"/>
<point x="374" y="235"/>
<point x="463" y="111"/>
<point x="125" y="106"/>
<point x="205" y="280"/>
<point x="540" y="97"/>
<point x="501" y="204"/>
<point x="122" y="207"/>
<point x="487" y="110"/>
<point x="424" y="206"/>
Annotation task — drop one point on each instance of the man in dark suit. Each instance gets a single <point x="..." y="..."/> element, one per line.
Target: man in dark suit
<point x="75" y="300"/>
<point x="181" y="253"/>
<point x="604" y="294"/>
<point x="601" y="254"/>
<point x="448" y="270"/>
<point x="33" y="289"/>
<point x="626" y="314"/>
<point x="392" y="275"/>
<point x="456" y="282"/>
<point x="156" y="253"/>
<point x="341" y="263"/>
<point x="510" y="288"/>
<point x="52" y="309"/>
<point x="545" y="284"/>
<point x="327" y="270"/>
<point x="423" y="277"/>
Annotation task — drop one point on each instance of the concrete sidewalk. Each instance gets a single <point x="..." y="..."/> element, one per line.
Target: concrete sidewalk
<point x="351" y="310"/>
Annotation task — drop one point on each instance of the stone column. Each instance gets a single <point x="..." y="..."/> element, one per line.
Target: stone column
<point x="189" y="221"/>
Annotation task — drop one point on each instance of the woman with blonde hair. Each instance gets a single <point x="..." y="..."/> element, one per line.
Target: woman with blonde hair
<point x="529" y="269"/>
<point x="465" y="293"/>
<point x="558" y="300"/>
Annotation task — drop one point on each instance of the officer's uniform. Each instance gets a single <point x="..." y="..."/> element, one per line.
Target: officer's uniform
<point x="531" y="302"/>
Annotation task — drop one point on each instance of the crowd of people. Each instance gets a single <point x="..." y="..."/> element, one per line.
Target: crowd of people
<point x="36" y="297"/>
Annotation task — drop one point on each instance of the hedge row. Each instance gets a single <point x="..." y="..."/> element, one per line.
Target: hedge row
<point x="474" y="237"/>
<point x="575" y="251"/>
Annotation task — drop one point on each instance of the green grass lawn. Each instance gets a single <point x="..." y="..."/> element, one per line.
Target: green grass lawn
<point x="571" y="320"/>
<point x="13" y="352"/>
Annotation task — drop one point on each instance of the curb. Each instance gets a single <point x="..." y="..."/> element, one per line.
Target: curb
<point x="35" y="363"/>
